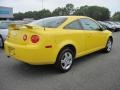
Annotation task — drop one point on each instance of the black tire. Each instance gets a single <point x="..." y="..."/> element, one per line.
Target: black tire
<point x="60" y="63"/>
<point x="108" y="47"/>
<point x="115" y="30"/>
<point x="1" y="42"/>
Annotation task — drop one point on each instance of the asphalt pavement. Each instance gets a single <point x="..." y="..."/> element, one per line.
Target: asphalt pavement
<point x="97" y="71"/>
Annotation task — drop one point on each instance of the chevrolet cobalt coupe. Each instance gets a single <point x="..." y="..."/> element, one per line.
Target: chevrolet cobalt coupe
<point x="57" y="40"/>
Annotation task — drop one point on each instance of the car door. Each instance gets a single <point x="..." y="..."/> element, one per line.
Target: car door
<point x="94" y="37"/>
<point x="77" y="35"/>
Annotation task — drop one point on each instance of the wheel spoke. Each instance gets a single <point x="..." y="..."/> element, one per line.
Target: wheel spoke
<point x="62" y="61"/>
<point x="109" y="45"/>
<point x="66" y="55"/>
<point x="65" y="65"/>
<point x="70" y="56"/>
<point x="66" y="60"/>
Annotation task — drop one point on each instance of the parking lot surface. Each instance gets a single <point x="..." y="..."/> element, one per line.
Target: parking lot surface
<point x="97" y="71"/>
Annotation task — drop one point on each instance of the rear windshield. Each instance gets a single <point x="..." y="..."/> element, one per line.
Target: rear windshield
<point x="51" y="22"/>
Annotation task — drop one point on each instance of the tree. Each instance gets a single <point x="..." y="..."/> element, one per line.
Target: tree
<point x="59" y="12"/>
<point x="18" y="16"/>
<point x="28" y="14"/>
<point x="35" y="14"/>
<point x="96" y="12"/>
<point x="99" y="13"/>
<point x="81" y="11"/>
<point x="116" y="16"/>
<point x="43" y="13"/>
<point x="69" y="9"/>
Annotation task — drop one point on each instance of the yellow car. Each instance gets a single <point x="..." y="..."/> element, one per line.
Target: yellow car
<point x="57" y="40"/>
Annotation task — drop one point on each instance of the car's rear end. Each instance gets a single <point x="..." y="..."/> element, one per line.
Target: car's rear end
<point x="34" y="43"/>
<point x="27" y="44"/>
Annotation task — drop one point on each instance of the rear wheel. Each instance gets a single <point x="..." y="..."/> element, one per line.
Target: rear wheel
<point x="1" y="42"/>
<point x="65" y="60"/>
<point x="108" y="45"/>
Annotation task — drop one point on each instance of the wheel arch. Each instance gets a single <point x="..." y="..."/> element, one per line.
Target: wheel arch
<point x="111" y="37"/>
<point x="71" y="46"/>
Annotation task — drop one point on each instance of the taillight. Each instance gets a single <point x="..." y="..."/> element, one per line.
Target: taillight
<point x="25" y="37"/>
<point x="35" y="38"/>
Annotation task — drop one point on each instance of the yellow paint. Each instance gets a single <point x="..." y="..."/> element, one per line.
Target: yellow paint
<point x="84" y="41"/>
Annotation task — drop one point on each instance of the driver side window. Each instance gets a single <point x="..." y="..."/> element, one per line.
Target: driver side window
<point x="89" y="24"/>
<point x="75" y="25"/>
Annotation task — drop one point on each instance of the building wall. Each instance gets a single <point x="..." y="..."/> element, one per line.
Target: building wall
<point x="6" y="12"/>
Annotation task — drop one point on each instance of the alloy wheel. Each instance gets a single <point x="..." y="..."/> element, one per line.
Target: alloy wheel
<point x="66" y="60"/>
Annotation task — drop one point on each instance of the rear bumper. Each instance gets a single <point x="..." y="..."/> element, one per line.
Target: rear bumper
<point x="30" y="54"/>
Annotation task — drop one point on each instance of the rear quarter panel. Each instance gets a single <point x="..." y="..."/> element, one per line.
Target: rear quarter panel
<point x="60" y="38"/>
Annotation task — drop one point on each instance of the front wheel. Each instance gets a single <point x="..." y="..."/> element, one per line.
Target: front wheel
<point x="64" y="60"/>
<point x="108" y="45"/>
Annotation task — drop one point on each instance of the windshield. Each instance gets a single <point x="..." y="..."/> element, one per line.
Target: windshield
<point x="51" y="22"/>
<point x="4" y="25"/>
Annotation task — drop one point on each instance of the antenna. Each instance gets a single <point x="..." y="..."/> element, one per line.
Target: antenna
<point x="43" y="14"/>
<point x="42" y="4"/>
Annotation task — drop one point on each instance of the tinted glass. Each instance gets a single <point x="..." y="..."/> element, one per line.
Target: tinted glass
<point x="51" y="22"/>
<point x="89" y="24"/>
<point x="73" y="25"/>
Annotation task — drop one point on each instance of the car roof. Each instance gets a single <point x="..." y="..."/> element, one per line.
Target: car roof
<point x="70" y="19"/>
<point x="74" y="17"/>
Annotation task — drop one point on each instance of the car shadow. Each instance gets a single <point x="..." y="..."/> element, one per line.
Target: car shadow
<point x="32" y="70"/>
<point x="88" y="57"/>
<point x="35" y="70"/>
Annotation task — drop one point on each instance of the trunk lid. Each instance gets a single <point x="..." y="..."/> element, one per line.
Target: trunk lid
<point x="16" y="34"/>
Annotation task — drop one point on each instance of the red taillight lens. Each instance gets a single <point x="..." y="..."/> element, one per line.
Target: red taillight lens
<point x="35" y="38"/>
<point x="25" y="37"/>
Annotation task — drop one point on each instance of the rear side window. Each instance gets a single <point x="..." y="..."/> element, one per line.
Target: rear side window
<point x="74" y="25"/>
<point x="51" y="22"/>
<point x="89" y="24"/>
